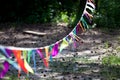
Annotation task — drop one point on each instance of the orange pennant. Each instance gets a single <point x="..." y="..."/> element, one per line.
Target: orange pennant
<point x="17" y="54"/>
<point x="81" y="26"/>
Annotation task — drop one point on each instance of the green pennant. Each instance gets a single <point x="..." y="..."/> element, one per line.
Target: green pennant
<point x="63" y="45"/>
<point x="29" y="55"/>
<point x="85" y="23"/>
<point x="26" y="64"/>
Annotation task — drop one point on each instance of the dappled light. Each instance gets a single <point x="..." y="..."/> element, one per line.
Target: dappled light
<point x="59" y="40"/>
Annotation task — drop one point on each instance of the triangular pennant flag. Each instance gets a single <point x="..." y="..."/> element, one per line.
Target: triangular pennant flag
<point x="34" y="60"/>
<point x="71" y="40"/>
<point x="68" y="39"/>
<point x="17" y="54"/>
<point x="83" y="29"/>
<point x="3" y="51"/>
<point x="75" y="30"/>
<point x="8" y="51"/>
<point x="90" y="15"/>
<point x="29" y="56"/>
<point x="13" y="63"/>
<point x="5" y="69"/>
<point x="46" y="60"/>
<point x="63" y="45"/>
<point x="87" y="18"/>
<point x="91" y="1"/>
<point x="55" y="50"/>
<point x="25" y="62"/>
<point x="75" y="44"/>
<point x="39" y="51"/>
<point x="75" y="37"/>
<point x="91" y="9"/>
<point x="47" y="52"/>
<point x="51" y="58"/>
<point x="79" y="28"/>
<point x="84" y="23"/>
<point x="50" y="48"/>
<point x="91" y="4"/>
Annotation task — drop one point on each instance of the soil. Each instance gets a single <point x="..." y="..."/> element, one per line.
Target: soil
<point x="81" y="63"/>
<point x="14" y="35"/>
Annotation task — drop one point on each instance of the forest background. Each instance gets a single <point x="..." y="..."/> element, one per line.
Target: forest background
<point x="68" y="11"/>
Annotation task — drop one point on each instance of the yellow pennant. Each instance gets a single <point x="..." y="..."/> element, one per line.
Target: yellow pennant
<point x="26" y="64"/>
<point x="47" y="52"/>
<point x="63" y="45"/>
<point x="46" y="62"/>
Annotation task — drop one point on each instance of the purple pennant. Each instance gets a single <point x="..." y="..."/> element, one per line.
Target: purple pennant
<point x="8" y="51"/>
<point x="88" y="18"/>
<point x="55" y="50"/>
<point x="5" y="69"/>
<point x="77" y="28"/>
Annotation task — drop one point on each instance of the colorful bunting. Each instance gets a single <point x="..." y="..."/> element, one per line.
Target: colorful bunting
<point x="34" y="60"/>
<point x="63" y="45"/>
<point x="55" y="50"/>
<point x="17" y="54"/>
<point x="3" y="51"/>
<point x="50" y="49"/>
<point x="23" y="55"/>
<point x="26" y="63"/>
<point x="39" y="51"/>
<point x="46" y="59"/>
<point x="29" y="55"/>
<point x="5" y="69"/>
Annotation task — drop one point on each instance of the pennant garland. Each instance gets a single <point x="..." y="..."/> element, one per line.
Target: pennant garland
<point x="23" y="55"/>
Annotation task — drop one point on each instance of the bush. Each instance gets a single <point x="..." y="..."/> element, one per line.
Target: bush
<point x="107" y="14"/>
<point x="37" y="11"/>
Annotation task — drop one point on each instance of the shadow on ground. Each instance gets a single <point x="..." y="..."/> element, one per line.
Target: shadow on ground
<point x="82" y="63"/>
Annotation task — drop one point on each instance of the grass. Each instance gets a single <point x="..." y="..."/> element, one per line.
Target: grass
<point x="111" y="69"/>
<point x="111" y="60"/>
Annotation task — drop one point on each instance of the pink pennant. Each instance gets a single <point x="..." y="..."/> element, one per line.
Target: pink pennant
<point x="55" y="50"/>
<point x="39" y="51"/>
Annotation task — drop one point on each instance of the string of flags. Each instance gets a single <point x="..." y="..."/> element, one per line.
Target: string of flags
<point x="23" y="56"/>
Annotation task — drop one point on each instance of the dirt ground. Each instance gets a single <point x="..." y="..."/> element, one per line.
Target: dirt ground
<point x="82" y="63"/>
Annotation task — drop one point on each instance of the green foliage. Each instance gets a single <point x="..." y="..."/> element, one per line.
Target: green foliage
<point x="106" y="45"/>
<point x="69" y="11"/>
<point x="63" y="17"/>
<point x="107" y="14"/>
<point x="118" y="49"/>
<point x="110" y="72"/>
<point x="37" y="11"/>
<point x="111" y="60"/>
